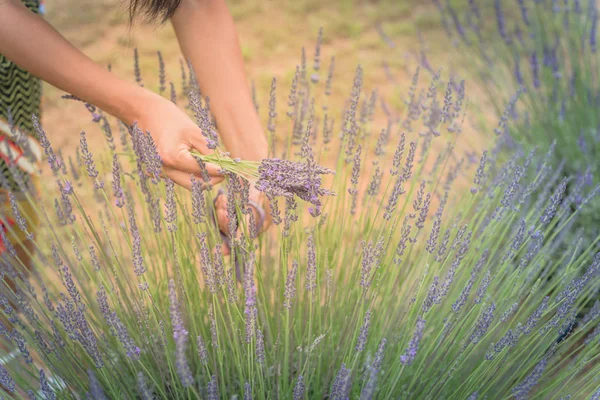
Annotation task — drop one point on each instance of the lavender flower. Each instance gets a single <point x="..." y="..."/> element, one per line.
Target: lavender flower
<point x="180" y="335"/>
<point x="116" y="183"/>
<point x="260" y="346"/>
<point x="202" y="350"/>
<point x="213" y="328"/>
<point x="299" y="389"/>
<point x="521" y="391"/>
<point x="290" y="286"/>
<point x="89" y="161"/>
<point x="95" y="388"/>
<point x="364" y="332"/>
<point x="6" y="380"/>
<point x="341" y="384"/>
<point x="171" y="206"/>
<point x="247" y="391"/>
<point x="483" y="324"/>
<point x="198" y="201"/>
<point x="136" y="67"/>
<point x="411" y="351"/>
<point x="138" y="258"/>
<point x="555" y="201"/>
<point x="113" y="320"/>
<point x="143" y="389"/>
<point x="250" y="309"/>
<point x="311" y="268"/>
<point x="535" y="317"/>
<point x="213" y="389"/>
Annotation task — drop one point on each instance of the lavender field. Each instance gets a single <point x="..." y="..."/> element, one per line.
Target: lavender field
<point x="435" y="219"/>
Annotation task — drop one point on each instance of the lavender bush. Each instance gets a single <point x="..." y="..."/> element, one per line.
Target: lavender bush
<point x="423" y="278"/>
<point x="546" y="51"/>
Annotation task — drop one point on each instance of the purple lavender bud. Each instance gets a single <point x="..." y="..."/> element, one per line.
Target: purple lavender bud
<point x="95" y="388"/>
<point x="500" y="20"/>
<point x="341" y="385"/>
<point x="89" y="161"/>
<point x="355" y="169"/>
<point x="45" y="143"/>
<point x="407" y="172"/>
<point x="509" y="313"/>
<point x="180" y="335"/>
<point x="329" y="82"/>
<point x="368" y="391"/>
<point x="212" y="389"/>
<point x="431" y="295"/>
<point x="250" y="310"/>
<point x="535" y="70"/>
<point x="170" y="206"/>
<point x="271" y="124"/>
<point x="424" y="210"/>
<point x="393" y="199"/>
<point x="524" y="13"/>
<point x="136" y="67"/>
<point x="113" y="320"/>
<point x="292" y="98"/>
<point x="138" y="258"/>
<point x="485" y="282"/>
<point x="290" y="286"/>
<point x="213" y="328"/>
<point x="378" y="359"/>
<point x="198" y="201"/>
<point x="202" y="350"/>
<point x="479" y="175"/>
<point x="173" y="93"/>
<point x="555" y="201"/>
<point x="364" y="332"/>
<point x="143" y="389"/>
<point x="437" y="223"/>
<point x="375" y="183"/>
<point x="260" y="346"/>
<point x="535" y="317"/>
<point x="21" y="222"/>
<point x="483" y="324"/>
<point x="218" y="266"/>
<point x="45" y="386"/>
<point x="369" y="260"/>
<point x="311" y="269"/>
<point x="299" y="389"/>
<point x="522" y="390"/>
<point x="6" y="380"/>
<point x="405" y="233"/>
<point x="411" y="351"/>
<point x="161" y="73"/>
<point x="116" y="183"/>
<point x="473" y="396"/>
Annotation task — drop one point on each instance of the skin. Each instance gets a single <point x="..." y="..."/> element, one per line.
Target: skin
<point x="207" y="36"/>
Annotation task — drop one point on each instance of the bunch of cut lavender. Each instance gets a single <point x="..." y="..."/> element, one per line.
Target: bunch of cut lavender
<point x="277" y="177"/>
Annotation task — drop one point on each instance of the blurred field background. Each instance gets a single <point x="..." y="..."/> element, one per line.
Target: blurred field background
<point x="389" y="39"/>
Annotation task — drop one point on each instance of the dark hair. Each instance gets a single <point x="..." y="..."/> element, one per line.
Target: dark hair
<point x="153" y="10"/>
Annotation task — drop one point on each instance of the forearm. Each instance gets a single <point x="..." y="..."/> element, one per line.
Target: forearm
<point x="208" y="38"/>
<point x="30" y="42"/>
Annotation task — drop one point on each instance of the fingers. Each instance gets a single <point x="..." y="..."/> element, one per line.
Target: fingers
<point x="185" y="162"/>
<point x="183" y="178"/>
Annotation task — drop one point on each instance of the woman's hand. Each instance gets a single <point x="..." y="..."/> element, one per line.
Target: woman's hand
<point x="174" y="134"/>
<point x="257" y="198"/>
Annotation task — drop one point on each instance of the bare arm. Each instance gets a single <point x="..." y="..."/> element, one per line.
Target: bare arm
<point x="33" y="44"/>
<point x="208" y="38"/>
<point x="30" y="42"/>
